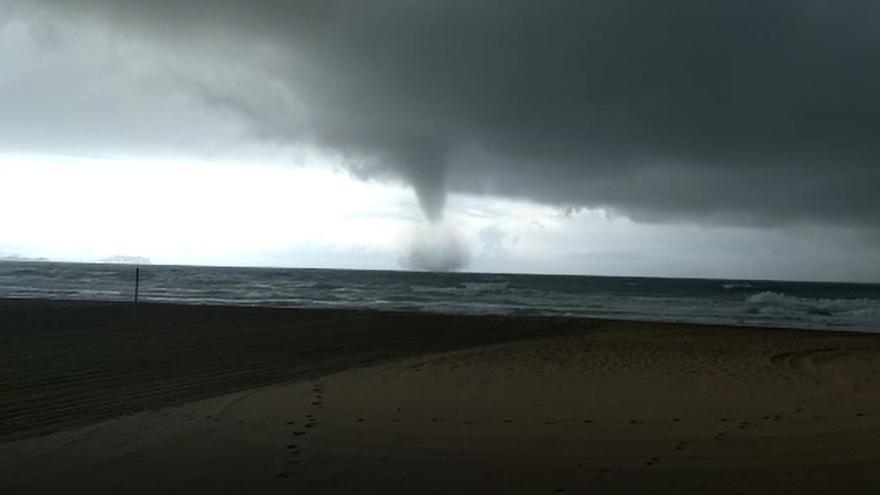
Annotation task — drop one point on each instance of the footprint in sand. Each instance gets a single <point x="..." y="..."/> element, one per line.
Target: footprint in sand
<point x="602" y="474"/>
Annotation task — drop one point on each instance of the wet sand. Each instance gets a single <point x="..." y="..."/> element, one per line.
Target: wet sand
<point x="408" y="403"/>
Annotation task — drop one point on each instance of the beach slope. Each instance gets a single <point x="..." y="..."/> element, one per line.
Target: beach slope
<point x="531" y="406"/>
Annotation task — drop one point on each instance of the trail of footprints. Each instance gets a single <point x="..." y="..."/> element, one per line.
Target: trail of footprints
<point x="293" y="451"/>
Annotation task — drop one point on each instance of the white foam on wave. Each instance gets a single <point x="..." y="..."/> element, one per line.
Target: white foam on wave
<point x="778" y="303"/>
<point x="738" y="285"/>
<point x="486" y="286"/>
<point x="463" y="289"/>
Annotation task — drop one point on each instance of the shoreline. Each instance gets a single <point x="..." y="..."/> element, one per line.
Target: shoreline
<point x="4" y="302"/>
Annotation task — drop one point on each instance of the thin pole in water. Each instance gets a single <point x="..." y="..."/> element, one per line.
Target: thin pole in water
<point x="137" y="286"/>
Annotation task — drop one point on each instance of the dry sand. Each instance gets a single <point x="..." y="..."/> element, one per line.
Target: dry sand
<point x="587" y="407"/>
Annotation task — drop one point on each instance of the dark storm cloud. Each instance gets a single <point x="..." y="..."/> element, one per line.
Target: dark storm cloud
<point x="734" y="112"/>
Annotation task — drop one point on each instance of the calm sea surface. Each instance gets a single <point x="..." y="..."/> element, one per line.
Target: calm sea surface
<point x="740" y="302"/>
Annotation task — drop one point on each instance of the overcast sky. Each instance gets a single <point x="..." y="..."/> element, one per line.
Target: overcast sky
<point x="676" y="138"/>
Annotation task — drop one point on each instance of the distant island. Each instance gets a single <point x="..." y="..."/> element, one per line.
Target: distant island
<point x="126" y="260"/>
<point x="17" y="258"/>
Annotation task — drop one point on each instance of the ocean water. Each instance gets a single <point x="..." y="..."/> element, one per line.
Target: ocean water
<point x="737" y="302"/>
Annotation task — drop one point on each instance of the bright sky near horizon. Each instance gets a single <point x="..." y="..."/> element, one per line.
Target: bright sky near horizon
<point x="318" y="215"/>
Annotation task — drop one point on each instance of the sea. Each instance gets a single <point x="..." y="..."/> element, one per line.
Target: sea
<point x="838" y="306"/>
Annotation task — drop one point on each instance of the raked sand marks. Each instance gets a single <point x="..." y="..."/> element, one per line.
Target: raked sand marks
<point x="72" y="363"/>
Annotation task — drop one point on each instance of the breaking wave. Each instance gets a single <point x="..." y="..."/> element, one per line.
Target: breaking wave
<point x="778" y="303"/>
<point x="464" y="288"/>
<point x="738" y="285"/>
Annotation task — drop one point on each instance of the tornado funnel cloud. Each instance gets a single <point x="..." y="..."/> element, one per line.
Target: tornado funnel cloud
<point x="436" y="245"/>
<point x="432" y="200"/>
<point x="428" y="178"/>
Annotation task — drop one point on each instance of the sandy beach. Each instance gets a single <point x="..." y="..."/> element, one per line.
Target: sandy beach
<point x="234" y="400"/>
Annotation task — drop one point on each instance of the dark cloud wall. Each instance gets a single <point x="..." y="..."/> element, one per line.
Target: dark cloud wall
<point x="726" y="112"/>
